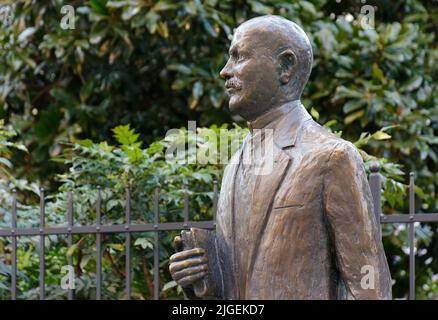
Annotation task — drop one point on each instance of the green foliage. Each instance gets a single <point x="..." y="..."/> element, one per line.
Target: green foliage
<point x="99" y="166"/>
<point x="5" y="145"/>
<point x="112" y="169"/>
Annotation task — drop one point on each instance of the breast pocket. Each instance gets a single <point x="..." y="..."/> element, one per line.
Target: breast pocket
<point x="289" y="206"/>
<point x="288" y="209"/>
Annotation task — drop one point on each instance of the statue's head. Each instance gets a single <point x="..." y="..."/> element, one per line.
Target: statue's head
<point x="269" y="65"/>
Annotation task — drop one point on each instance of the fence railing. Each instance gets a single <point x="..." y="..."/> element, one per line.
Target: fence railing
<point x="98" y="229"/>
<point x="409" y="219"/>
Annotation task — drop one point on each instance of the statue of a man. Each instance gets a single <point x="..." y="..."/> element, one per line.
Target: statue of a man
<point x="304" y="229"/>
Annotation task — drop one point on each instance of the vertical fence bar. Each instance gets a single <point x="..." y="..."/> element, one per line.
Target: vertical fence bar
<point x="128" y="245"/>
<point x="70" y="237"/>
<point x="411" y="232"/>
<point x="375" y="186"/>
<point x="14" y="247"/>
<point x="215" y="198"/>
<point x="42" y="244"/>
<point x="98" y="246"/>
<point x="186" y="206"/>
<point x="156" y="245"/>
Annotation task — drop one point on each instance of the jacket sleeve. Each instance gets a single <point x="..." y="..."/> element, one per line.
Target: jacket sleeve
<point x="348" y="208"/>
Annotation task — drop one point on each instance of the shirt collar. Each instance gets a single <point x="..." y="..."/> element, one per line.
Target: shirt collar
<point x="286" y="121"/>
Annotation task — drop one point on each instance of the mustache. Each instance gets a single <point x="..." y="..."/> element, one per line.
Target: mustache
<point x="233" y="83"/>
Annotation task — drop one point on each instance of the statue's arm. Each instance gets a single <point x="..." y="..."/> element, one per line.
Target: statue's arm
<point x="352" y="226"/>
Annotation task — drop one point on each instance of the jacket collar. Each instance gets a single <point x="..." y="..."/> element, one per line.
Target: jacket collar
<point x="286" y="121"/>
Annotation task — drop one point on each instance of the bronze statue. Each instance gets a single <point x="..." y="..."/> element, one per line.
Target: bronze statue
<point x="307" y="229"/>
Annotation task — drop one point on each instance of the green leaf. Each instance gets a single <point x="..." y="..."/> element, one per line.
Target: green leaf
<point x="180" y="68"/>
<point x="134" y="153"/>
<point x="353" y="105"/>
<point x="63" y="96"/>
<point x="261" y="8"/>
<point x="198" y="89"/>
<point x="412" y="84"/>
<point x="314" y="113"/>
<point x="87" y="143"/>
<point x="152" y="19"/>
<point x="155" y="148"/>
<point x="86" y="90"/>
<point x="162" y="29"/>
<point x="116" y="4"/>
<point x="363" y="139"/>
<point x="330" y="123"/>
<point x="105" y="147"/>
<point x="99" y="6"/>
<point x="164" y="5"/>
<point x="419" y="191"/>
<point x="143" y="243"/>
<point x="169" y="285"/>
<point x="125" y="135"/>
<point x="26" y="33"/>
<point x="344" y="92"/>
<point x="5" y="162"/>
<point x="205" y="177"/>
<point x="354" y="116"/>
<point x="380" y="135"/>
<point x="85" y="261"/>
<point x="308" y="7"/>
<point x="209" y="28"/>
<point x="378" y="73"/>
<point x="117" y="246"/>
<point x="72" y="250"/>
<point x="129" y="12"/>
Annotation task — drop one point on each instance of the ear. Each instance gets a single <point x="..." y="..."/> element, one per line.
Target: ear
<point x="288" y="61"/>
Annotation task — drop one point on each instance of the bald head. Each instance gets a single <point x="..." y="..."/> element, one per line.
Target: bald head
<point x="279" y="34"/>
<point x="270" y="64"/>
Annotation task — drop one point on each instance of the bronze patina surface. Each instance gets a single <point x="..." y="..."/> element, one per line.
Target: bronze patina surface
<point x="304" y="230"/>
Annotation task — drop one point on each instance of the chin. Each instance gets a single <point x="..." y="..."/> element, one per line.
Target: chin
<point x="233" y="107"/>
<point x="236" y="106"/>
<point x="237" y="109"/>
<point x="233" y="104"/>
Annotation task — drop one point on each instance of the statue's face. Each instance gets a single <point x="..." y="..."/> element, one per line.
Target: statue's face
<point x="251" y="73"/>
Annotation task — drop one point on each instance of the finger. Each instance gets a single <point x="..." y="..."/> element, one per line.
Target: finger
<point x="179" y="265"/>
<point x="186" y="254"/>
<point x="184" y="282"/>
<point x="189" y="271"/>
<point x="178" y="244"/>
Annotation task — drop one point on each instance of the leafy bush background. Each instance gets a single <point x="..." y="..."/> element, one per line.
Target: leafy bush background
<point x="155" y="64"/>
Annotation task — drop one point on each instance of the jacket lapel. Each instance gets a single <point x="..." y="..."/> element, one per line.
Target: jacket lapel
<point x="225" y="220"/>
<point x="226" y="198"/>
<point x="266" y="186"/>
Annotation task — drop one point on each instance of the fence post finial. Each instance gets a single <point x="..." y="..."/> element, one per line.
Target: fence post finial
<point x="375" y="186"/>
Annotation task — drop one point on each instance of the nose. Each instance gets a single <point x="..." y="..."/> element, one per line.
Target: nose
<point x="226" y="71"/>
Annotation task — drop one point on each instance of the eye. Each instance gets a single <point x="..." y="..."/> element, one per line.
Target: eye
<point x="235" y="55"/>
<point x="240" y="57"/>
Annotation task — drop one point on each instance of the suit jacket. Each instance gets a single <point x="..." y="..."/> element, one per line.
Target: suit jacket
<point x="312" y="232"/>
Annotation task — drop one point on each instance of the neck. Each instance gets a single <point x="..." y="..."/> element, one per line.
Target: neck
<point x="269" y="117"/>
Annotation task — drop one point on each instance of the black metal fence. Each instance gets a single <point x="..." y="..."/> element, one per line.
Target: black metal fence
<point x="409" y="219"/>
<point x="98" y="229"/>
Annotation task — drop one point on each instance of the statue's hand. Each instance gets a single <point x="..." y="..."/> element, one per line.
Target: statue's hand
<point x="188" y="266"/>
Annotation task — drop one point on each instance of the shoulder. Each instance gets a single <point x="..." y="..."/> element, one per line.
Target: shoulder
<point x="314" y="133"/>
<point x="335" y="149"/>
<point x="345" y="151"/>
